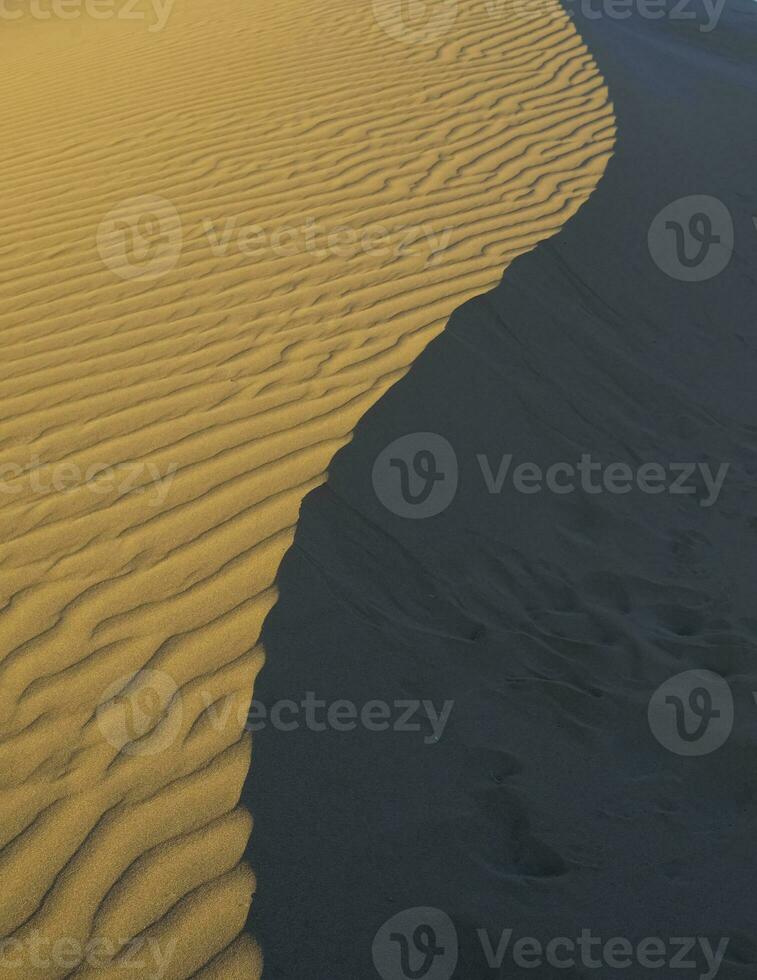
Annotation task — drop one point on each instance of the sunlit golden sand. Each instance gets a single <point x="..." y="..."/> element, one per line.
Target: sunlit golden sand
<point x="217" y="385"/>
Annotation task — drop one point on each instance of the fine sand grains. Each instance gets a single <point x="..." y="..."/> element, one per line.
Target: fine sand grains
<point x="171" y="391"/>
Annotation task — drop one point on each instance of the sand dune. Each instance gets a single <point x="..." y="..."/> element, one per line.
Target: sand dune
<point x="171" y="392"/>
<point x="593" y="644"/>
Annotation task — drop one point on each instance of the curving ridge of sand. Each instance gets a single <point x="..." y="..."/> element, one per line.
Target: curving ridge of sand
<point x="218" y="385"/>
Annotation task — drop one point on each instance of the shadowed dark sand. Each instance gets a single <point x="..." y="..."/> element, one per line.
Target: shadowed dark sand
<point x="547" y="806"/>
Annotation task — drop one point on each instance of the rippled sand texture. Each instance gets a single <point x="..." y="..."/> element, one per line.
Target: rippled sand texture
<point x="230" y="379"/>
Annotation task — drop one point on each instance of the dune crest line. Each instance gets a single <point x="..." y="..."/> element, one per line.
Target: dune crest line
<point x="319" y="195"/>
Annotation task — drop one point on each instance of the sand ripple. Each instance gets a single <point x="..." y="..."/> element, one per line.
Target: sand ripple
<point x="218" y="380"/>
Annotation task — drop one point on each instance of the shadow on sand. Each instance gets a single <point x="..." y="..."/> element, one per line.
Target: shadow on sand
<point x="547" y="806"/>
